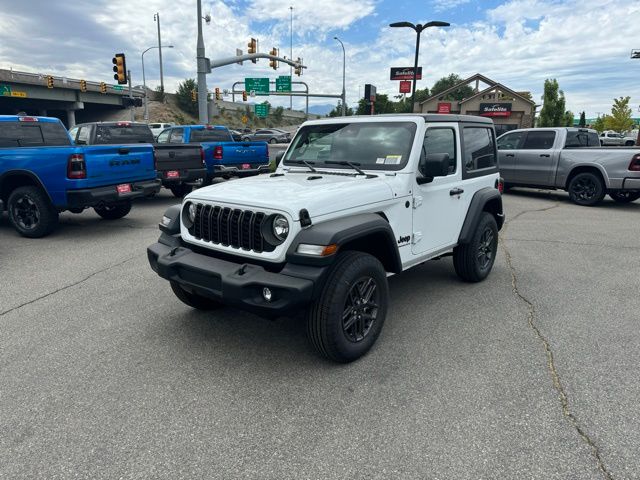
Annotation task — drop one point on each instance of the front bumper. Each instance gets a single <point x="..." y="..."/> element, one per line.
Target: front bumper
<point x="232" y="283"/>
<point x="238" y="170"/>
<point x="190" y="177"/>
<point x="91" y="197"/>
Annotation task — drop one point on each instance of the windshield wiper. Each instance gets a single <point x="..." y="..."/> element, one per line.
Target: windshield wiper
<point x="353" y="165"/>
<point x="306" y="163"/>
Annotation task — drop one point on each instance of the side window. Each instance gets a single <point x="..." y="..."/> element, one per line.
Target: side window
<point x="539" y="140"/>
<point x="73" y="133"/>
<point x="83" y="136"/>
<point x="164" y="136"/>
<point x="176" y="135"/>
<point x="479" y="152"/>
<point x="441" y="140"/>
<point x="511" y="141"/>
<point x="581" y="139"/>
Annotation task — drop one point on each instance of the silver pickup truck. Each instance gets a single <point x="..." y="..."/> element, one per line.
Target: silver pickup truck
<point x="569" y="159"/>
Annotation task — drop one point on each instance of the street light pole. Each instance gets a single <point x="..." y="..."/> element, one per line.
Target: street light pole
<point x="344" y="66"/>
<point x="144" y="82"/>
<point x="291" y="51"/>
<point x="203" y="114"/>
<point x="156" y="17"/>
<point x="418" y="29"/>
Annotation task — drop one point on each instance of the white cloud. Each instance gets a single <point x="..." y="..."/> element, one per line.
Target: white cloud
<point x="442" y="5"/>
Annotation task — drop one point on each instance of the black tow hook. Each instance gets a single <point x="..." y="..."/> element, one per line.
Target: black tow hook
<point x="173" y="251"/>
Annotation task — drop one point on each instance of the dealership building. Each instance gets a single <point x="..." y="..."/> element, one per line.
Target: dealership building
<point x="507" y="108"/>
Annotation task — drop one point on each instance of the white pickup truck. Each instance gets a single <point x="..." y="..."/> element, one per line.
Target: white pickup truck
<point x="610" y="138"/>
<point x="569" y="159"/>
<point x="353" y="201"/>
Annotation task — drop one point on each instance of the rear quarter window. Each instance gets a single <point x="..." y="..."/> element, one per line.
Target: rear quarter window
<point x="205" y="135"/>
<point x="479" y="154"/>
<point x="114" y="134"/>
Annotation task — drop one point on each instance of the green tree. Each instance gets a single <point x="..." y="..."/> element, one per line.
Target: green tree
<point x="599" y="124"/>
<point x="184" y="96"/>
<point x="159" y="94"/>
<point x="568" y="119"/>
<point x="620" y="119"/>
<point x="553" y="113"/>
<point x="583" y="120"/>
<point x="382" y="105"/>
<point x="337" y="111"/>
<point x="277" y="114"/>
<point x="445" y="83"/>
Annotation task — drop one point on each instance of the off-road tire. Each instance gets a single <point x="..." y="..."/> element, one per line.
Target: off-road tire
<point x="193" y="299"/>
<point x="328" y="331"/>
<point x="31" y="212"/>
<point x="624" y="197"/>
<point x="180" y="190"/>
<point x="469" y="259"/>
<point x="114" y="211"/>
<point x="586" y="189"/>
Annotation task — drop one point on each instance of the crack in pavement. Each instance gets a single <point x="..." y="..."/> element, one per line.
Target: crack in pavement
<point x="68" y="286"/>
<point x="555" y="376"/>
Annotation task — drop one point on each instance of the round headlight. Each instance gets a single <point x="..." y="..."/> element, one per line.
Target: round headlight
<point x="192" y="212"/>
<point x="280" y="227"/>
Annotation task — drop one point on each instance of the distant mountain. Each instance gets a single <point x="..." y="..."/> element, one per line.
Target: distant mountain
<point x="321" y="109"/>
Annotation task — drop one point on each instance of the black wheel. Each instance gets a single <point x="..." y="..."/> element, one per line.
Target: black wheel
<point x="506" y="187"/>
<point x="630" y="143"/>
<point x="246" y="139"/>
<point x="114" y="211"/>
<point x="474" y="260"/>
<point x="193" y="299"/>
<point x="586" y="189"/>
<point x="344" y="323"/>
<point x="31" y="213"/>
<point x="273" y="140"/>
<point x="180" y="190"/>
<point x="624" y="196"/>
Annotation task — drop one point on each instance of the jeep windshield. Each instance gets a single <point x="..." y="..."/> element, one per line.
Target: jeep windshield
<point x="374" y="146"/>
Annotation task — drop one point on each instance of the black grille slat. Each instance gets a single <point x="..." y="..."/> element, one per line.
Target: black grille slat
<point x="231" y="227"/>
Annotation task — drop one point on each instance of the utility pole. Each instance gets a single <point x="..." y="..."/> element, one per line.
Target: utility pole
<point x="131" y="106"/>
<point x="344" y="93"/>
<point x="203" y="69"/>
<point x="157" y="19"/>
<point x="291" y="53"/>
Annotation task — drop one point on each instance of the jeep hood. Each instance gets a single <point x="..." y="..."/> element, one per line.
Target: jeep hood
<point x="294" y="191"/>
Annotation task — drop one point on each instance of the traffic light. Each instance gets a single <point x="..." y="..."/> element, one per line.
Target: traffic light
<point x="103" y="87"/>
<point x="83" y="85"/>
<point x="194" y="95"/>
<point x="217" y="93"/>
<point x="244" y="95"/>
<point x="253" y="48"/>
<point x="49" y="81"/>
<point x="120" y="67"/>
<point x="273" y="63"/>
<point x="298" y="69"/>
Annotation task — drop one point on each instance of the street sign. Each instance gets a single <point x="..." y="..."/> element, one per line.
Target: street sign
<point x="238" y="54"/>
<point x="404" y="73"/>
<point x="259" y="85"/>
<point x="283" y="83"/>
<point x="120" y="88"/>
<point x="261" y="110"/>
<point x="5" y="90"/>
<point x="405" y="86"/>
<point x="245" y="119"/>
<point x="19" y="94"/>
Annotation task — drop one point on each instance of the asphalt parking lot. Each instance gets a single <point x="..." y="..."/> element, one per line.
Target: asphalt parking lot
<point x="533" y="373"/>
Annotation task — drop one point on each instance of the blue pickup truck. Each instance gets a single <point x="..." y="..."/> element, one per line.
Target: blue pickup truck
<point x="42" y="174"/>
<point x="223" y="156"/>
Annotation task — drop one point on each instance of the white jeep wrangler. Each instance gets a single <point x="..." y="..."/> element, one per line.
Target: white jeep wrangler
<point x="353" y="201"/>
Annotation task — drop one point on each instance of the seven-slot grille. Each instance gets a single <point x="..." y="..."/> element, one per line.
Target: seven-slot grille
<point x="230" y="227"/>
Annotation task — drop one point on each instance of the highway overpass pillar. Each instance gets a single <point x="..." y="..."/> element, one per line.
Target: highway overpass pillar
<point x="43" y="112"/>
<point x="71" y="118"/>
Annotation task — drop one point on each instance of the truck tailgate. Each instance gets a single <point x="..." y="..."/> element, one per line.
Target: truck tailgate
<point x="244" y="152"/>
<point x="113" y="164"/>
<point x="178" y="157"/>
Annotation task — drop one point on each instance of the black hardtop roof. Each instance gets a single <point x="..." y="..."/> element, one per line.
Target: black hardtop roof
<point x="433" y="117"/>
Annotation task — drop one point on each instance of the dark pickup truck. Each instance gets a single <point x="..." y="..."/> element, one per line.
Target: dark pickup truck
<point x="180" y="167"/>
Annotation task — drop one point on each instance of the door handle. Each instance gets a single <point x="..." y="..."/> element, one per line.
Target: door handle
<point x="123" y="151"/>
<point x="509" y="155"/>
<point x="456" y="191"/>
<point x="545" y="155"/>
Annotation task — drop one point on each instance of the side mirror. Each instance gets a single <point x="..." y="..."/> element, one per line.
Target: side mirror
<point x="433" y="165"/>
<point x="279" y="157"/>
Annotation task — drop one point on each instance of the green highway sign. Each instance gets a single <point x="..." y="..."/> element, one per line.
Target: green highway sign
<point x="5" y="90"/>
<point x="283" y="83"/>
<point x="258" y="85"/>
<point x="117" y="87"/>
<point x="262" y="110"/>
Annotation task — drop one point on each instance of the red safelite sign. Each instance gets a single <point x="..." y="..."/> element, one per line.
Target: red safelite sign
<point x="444" y="107"/>
<point x="405" y="86"/>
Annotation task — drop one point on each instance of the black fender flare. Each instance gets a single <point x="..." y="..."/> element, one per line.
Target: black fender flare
<point x="481" y="200"/>
<point x="342" y="231"/>
<point x="23" y="173"/>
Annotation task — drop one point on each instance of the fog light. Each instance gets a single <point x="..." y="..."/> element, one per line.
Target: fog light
<point x="165" y="220"/>
<point x="267" y="294"/>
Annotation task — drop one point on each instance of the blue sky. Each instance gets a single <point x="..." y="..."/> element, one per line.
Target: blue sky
<point x="584" y="44"/>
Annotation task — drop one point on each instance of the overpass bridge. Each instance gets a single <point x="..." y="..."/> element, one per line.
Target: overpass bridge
<point x="29" y="93"/>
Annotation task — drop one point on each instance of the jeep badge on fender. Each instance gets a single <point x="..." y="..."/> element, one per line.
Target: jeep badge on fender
<point x="351" y="202"/>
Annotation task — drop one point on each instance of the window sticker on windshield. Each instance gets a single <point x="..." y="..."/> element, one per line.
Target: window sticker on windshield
<point x="393" y="160"/>
<point x="380" y="160"/>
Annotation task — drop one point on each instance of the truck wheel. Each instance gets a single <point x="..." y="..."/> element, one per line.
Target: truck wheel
<point x="31" y="213"/>
<point x="273" y="140"/>
<point x="193" y="299"/>
<point x="624" y="197"/>
<point x="344" y="323"/>
<point x="114" y="211"/>
<point x="586" y="189"/>
<point x="630" y="143"/>
<point x="474" y="260"/>
<point x="180" y="190"/>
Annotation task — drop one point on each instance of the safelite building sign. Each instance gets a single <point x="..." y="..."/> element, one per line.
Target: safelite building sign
<point x="495" y="109"/>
